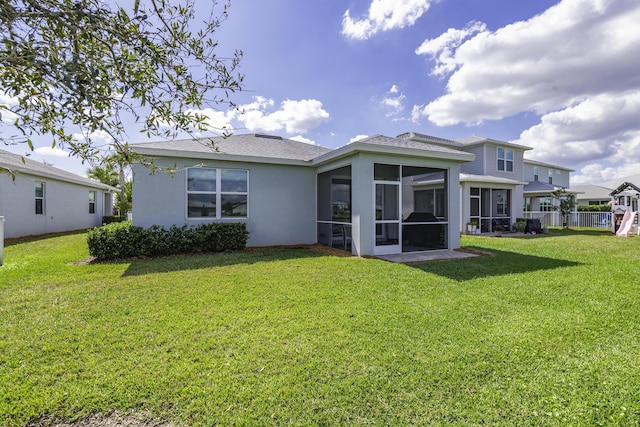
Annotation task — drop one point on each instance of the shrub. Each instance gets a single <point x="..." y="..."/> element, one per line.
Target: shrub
<point x="521" y="224"/>
<point x="594" y="208"/>
<point x="108" y="219"/>
<point x="116" y="240"/>
<point x="125" y="240"/>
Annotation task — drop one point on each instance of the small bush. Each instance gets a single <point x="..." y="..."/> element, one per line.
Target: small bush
<point x="125" y="240"/>
<point x="108" y="219"/>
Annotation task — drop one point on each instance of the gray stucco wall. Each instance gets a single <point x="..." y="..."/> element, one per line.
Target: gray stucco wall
<point x="477" y="166"/>
<point x="66" y="206"/>
<point x="561" y="177"/>
<point x="281" y="200"/>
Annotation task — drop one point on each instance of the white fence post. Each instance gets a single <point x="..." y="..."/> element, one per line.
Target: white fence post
<point x="1" y="240"/>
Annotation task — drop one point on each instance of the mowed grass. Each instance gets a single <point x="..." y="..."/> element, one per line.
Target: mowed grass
<point x="545" y="332"/>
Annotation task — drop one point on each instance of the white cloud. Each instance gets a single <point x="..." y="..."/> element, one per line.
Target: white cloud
<point x="603" y="127"/>
<point x="7" y="101"/>
<point x="49" y="151"/>
<point x="97" y="137"/>
<point x="393" y="101"/>
<point x="416" y="113"/>
<point x="292" y="116"/>
<point x="7" y="116"/>
<point x="301" y="138"/>
<point x="216" y="120"/>
<point x="384" y="15"/>
<point x="358" y="138"/>
<point x="574" y="50"/>
<point x="595" y="173"/>
<point x="442" y="48"/>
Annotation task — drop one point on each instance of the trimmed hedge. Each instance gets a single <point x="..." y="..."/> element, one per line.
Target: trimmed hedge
<point x="125" y="240"/>
<point x="594" y="208"/>
<point x="108" y="219"/>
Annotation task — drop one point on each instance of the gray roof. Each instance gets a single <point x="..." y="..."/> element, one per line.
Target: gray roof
<point x="540" y="187"/>
<point x="549" y="165"/>
<point x="475" y="140"/>
<point x="592" y="192"/>
<point x="406" y="143"/>
<point x="421" y="137"/>
<point x="387" y="144"/>
<point x="13" y="162"/>
<point x="466" y="177"/>
<point x="244" y="145"/>
<point x="269" y="148"/>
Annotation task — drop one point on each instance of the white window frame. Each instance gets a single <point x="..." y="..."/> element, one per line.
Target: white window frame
<point x="41" y="198"/>
<point x="92" y="201"/>
<point x="218" y="194"/>
<point x="505" y="159"/>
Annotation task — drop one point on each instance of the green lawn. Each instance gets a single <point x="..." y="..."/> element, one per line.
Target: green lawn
<point x="545" y="332"/>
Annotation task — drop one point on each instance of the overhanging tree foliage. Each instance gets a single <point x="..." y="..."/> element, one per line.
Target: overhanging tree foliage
<point x="81" y="66"/>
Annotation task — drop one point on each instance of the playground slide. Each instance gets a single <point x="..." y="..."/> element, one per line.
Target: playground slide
<point x="627" y="222"/>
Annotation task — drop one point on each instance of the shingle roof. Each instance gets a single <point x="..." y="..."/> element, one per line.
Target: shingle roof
<point x="388" y="145"/>
<point x="537" y="163"/>
<point x="466" y="177"/>
<point x="539" y="186"/>
<point x="473" y="140"/>
<point x="275" y="148"/>
<point x="592" y="192"/>
<point x="247" y="145"/>
<point x="13" y="162"/>
<point x="407" y="143"/>
<point x="421" y="137"/>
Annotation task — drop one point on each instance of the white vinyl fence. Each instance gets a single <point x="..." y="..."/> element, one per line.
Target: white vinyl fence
<point x="576" y="219"/>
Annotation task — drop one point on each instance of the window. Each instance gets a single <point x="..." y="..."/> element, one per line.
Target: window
<point x="505" y="160"/>
<point x="92" y="201"/>
<point x="545" y="204"/>
<point x="550" y="176"/>
<point x="217" y="193"/>
<point x="501" y="198"/>
<point x="536" y="173"/>
<point x="39" y="198"/>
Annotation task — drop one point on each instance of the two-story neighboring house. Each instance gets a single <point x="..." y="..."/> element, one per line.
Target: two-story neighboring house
<point x="500" y="184"/>
<point x="543" y="179"/>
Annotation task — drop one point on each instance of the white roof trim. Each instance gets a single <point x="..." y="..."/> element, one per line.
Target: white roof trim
<point x="464" y="177"/>
<point x="363" y="146"/>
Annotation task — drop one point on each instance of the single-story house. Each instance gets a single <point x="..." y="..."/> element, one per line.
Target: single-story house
<point x="40" y="199"/>
<point x="592" y="194"/>
<point x="369" y="196"/>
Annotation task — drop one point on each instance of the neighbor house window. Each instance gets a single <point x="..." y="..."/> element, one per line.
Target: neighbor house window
<point x="550" y="176"/>
<point x="217" y="193"/>
<point x="536" y="173"/>
<point x="92" y="201"/>
<point x="505" y="160"/>
<point x="39" y="198"/>
<point x="546" y="205"/>
<point x="502" y="202"/>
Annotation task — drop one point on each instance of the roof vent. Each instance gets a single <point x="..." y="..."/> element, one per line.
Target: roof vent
<point x="263" y="135"/>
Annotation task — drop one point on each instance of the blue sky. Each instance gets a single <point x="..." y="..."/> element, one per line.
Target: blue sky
<point x="562" y="77"/>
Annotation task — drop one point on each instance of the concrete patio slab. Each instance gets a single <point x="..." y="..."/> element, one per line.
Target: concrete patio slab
<point x="439" y="255"/>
